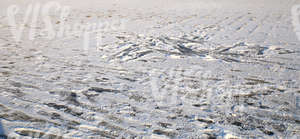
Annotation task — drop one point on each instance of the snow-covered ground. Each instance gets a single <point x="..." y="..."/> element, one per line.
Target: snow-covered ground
<point x="162" y="69"/>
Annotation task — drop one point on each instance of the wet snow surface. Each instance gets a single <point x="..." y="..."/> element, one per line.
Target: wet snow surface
<point x="193" y="69"/>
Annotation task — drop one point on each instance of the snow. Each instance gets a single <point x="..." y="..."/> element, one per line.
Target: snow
<point x="162" y="69"/>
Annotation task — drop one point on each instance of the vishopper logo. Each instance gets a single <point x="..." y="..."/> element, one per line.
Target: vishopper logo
<point x="52" y="28"/>
<point x="173" y="86"/>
